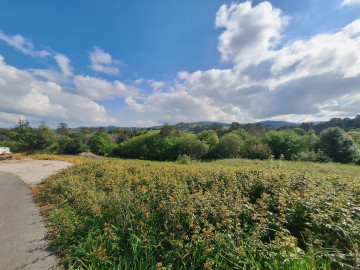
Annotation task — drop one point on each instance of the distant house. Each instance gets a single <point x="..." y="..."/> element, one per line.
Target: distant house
<point x="4" y="150"/>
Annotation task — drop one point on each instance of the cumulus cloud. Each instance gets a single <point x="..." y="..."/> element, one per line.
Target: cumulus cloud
<point x="299" y="81"/>
<point x="100" y="89"/>
<point x="302" y="80"/>
<point x="22" y="94"/>
<point x="8" y="119"/>
<point x="350" y="2"/>
<point x="250" y="32"/>
<point x="23" y="45"/>
<point x="102" y="62"/>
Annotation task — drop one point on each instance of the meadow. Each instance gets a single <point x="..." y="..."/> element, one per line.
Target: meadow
<point x="224" y="214"/>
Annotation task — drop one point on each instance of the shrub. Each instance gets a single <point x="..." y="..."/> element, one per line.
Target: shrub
<point x="169" y="131"/>
<point x="192" y="147"/>
<point x="338" y="145"/>
<point x="209" y="136"/>
<point x="72" y="144"/>
<point x="229" y="146"/>
<point x="318" y="156"/>
<point x="254" y="148"/>
<point x="100" y="144"/>
<point x="27" y="139"/>
<point x="285" y="142"/>
<point x="149" y="146"/>
<point x="183" y="159"/>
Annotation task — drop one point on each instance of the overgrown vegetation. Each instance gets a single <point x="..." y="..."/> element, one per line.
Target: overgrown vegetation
<point x="168" y="143"/>
<point x="228" y="214"/>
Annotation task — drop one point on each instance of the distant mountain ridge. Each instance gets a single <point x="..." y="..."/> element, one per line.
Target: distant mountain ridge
<point x="207" y="124"/>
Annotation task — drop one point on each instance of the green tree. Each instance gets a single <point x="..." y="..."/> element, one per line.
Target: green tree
<point x="169" y="131"/>
<point x="285" y="142"/>
<point x="72" y="144"/>
<point x="192" y="147"/>
<point x="229" y="146"/>
<point x="43" y="138"/>
<point x="235" y="126"/>
<point x="148" y="146"/>
<point x="241" y="133"/>
<point x="215" y="126"/>
<point x="62" y="129"/>
<point x="209" y="136"/>
<point x="21" y="136"/>
<point x="85" y="130"/>
<point x="254" y="148"/>
<point x="100" y="144"/>
<point x="256" y="129"/>
<point x="338" y="145"/>
<point x="102" y="129"/>
<point x="4" y="134"/>
<point x="27" y="139"/>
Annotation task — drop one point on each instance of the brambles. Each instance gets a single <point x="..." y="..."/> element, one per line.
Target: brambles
<point x="119" y="214"/>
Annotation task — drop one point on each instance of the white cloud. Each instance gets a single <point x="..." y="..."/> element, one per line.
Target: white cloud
<point x="155" y="85"/>
<point x="139" y="81"/>
<point x="64" y="64"/>
<point x="100" y="89"/>
<point x="54" y="75"/>
<point x="27" y="47"/>
<point x="102" y="62"/>
<point x="250" y="32"/>
<point x="23" y="94"/>
<point x="105" y="69"/>
<point x="300" y="81"/>
<point x="23" y="45"/>
<point x="350" y="2"/>
<point x="8" y="119"/>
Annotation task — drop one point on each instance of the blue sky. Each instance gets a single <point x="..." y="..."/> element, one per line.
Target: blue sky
<point x="143" y="63"/>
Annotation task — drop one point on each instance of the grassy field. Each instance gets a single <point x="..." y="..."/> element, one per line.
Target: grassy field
<point x="227" y="214"/>
<point x="355" y="135"/>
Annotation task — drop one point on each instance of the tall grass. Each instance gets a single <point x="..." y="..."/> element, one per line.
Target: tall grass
<point x="117" y="214"/>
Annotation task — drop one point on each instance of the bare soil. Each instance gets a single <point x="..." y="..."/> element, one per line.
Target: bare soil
<point x="31" y="171"/>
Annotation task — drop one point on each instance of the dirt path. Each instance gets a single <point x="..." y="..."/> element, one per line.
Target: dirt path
<point x="22" y="232"/>
<point x="32" y="171"/>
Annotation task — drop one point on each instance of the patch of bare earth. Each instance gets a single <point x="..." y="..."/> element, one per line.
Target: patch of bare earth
<point x="32" y="171"/>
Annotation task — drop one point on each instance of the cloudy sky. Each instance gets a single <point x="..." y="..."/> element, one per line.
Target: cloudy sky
<point x="143" y="63"/>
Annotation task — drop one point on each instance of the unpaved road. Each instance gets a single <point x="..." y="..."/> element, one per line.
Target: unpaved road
<point x="32" y="171"/>
<point x="22" y="233"/>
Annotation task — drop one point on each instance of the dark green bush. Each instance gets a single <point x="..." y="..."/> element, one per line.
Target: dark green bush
<point x="100" y="144"/>
<point x="254" y="148"/>
<point x="285" y="142"/>
<point x="338" y="145"/>
<point x="149" y="146"/>
<point x="229" y="146"/>
<point x="72" y="144"/>
<point x="209" y="136"/>
<point x="192" y="147"/>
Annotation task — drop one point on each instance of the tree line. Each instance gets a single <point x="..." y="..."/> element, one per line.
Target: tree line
<point x="169" y="143"/>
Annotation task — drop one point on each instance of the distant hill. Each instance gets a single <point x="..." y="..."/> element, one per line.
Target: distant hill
<point x="347" y="124"/>
<point x="269" y="124"/>
<point x="206" y="125"/>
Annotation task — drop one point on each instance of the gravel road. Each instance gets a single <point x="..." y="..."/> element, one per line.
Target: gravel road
<point x="23" y="244"/>
<point x="32" y="171"/>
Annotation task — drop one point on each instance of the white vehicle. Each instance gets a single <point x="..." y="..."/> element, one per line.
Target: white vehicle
<point x="5" y="151"/>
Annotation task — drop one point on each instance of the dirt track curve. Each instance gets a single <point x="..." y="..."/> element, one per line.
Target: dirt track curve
<point x="22" y="231"/>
